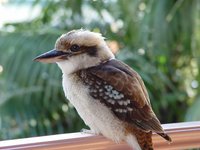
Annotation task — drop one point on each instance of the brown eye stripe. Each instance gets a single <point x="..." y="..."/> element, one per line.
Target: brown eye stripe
<point x="90" y="50"/>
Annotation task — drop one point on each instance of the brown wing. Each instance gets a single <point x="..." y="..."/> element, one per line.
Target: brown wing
<point x="133" y="105"/>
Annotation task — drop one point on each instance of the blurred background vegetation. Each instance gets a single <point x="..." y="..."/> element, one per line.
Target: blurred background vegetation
<point x="159" y="39"/>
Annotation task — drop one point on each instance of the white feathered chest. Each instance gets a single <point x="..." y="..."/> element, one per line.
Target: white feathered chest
<point x="96" y="115"/>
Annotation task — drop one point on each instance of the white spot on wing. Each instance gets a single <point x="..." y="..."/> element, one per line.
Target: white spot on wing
<point x="130" y="109"/>
<point x="111" y="101"/>
<point x="121" y="102"/>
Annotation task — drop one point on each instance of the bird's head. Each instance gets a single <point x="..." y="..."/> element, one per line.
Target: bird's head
<point x="77" y="49"/>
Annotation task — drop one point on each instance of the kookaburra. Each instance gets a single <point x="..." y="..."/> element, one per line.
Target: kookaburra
<point x="108" y="95"/>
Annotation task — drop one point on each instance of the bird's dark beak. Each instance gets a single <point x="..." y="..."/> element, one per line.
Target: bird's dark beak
<point x="52" y="56"/>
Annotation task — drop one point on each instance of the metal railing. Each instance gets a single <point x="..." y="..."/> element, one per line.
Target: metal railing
<point x="184" y="135"/>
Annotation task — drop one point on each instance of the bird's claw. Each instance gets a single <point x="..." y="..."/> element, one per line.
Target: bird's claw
<point x="86" y="131"/>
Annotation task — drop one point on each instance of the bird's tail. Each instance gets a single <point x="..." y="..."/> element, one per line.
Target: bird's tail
<point x="145" y="140"/>
<point x="165" y="136"/>
<point x="141" y="141"/>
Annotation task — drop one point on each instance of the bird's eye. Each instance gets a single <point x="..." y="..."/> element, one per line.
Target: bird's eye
<point x="75" y="48"/>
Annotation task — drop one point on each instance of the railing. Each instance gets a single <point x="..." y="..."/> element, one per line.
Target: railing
<point x="184" y="135"/>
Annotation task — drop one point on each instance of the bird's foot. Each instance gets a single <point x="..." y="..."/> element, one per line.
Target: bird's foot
<point x="86" y="131"/>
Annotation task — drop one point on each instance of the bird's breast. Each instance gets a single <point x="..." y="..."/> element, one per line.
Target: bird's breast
<point x="96" y="115"/>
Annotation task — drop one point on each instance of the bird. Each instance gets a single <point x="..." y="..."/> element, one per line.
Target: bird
<point x="108" y="95"/>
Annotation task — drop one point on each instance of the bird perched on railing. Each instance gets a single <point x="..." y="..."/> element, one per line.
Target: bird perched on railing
<point x="108" y="95"/>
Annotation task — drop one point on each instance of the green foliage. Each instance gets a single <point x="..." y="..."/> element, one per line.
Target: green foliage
<point x="32" y="100"/>
<point x="159" y="39"/>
